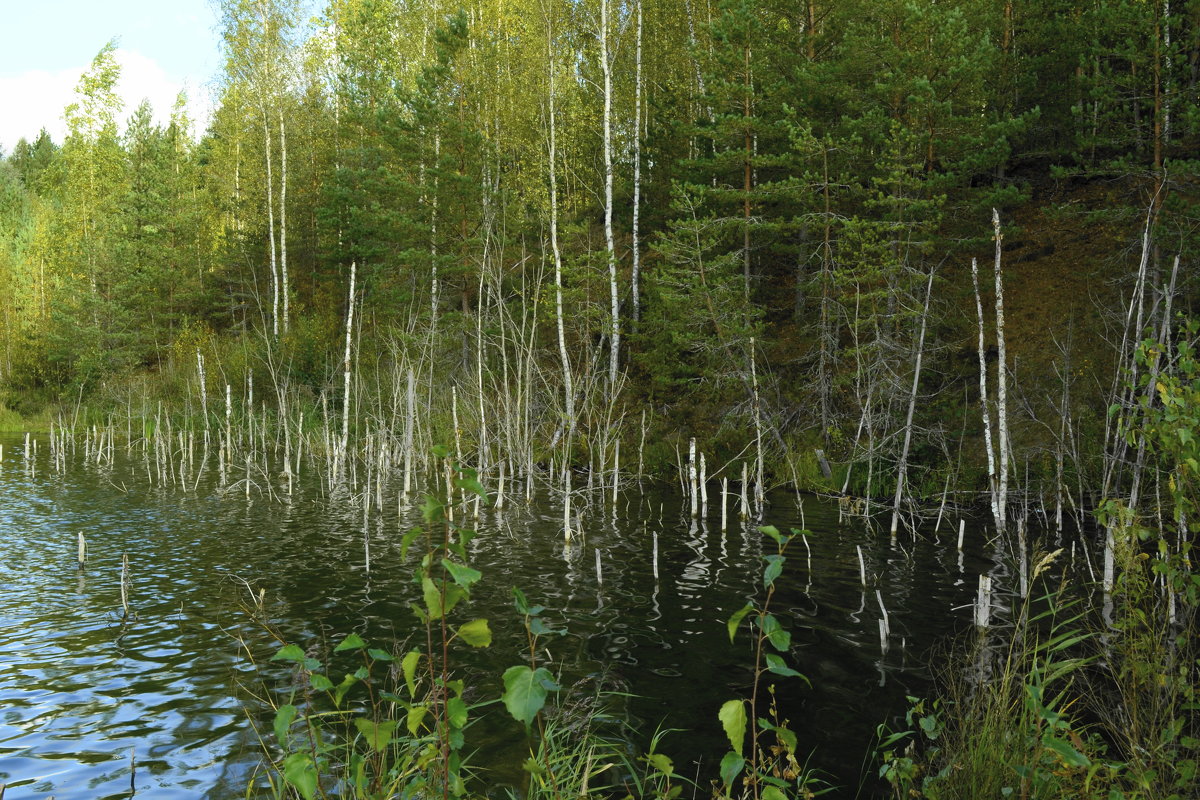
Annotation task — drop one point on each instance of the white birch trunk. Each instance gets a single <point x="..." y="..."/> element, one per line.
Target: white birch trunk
<point x="912" y="403"/>
<point x="615" y="331"/>
<point x="283" y="264"/>
<point x="410" y="397"/>
<point x="759" y="496"/>
<point x="1167" y="70"/>
<point x="345" y="440"/>
<point x="271" y="228"/>
<point x="637" y="171"/>
<point x="691" y="477"/>
<point x="203" y="391"/>
<point x="568" y="384"/>
<point x="1001" y="386"/>
<point x="984" y="400"/>
<point x="433" y="249"/>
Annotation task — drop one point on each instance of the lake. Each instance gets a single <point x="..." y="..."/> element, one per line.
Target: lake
<point x="159" y="704"/>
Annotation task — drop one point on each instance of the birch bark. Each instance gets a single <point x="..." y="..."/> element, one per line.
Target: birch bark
<point x="901" y="472"/>
<point x="615" y="330"/>
<point x="1001" y="385"/>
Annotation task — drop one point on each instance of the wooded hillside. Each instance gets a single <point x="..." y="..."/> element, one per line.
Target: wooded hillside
<point x="573" y="224"/>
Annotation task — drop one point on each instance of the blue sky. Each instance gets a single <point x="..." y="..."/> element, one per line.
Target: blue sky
<point x="163" y="46"/>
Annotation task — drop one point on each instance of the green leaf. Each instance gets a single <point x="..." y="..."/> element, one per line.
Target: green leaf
<point x="733" y="720"/>
<point x="929" y="725"/>
<point x="378" y="735"/>
<point x="283" y="722"/>
<point x="776" y="665"/>
<point x="520" y="602"/>
<point x="525" y="692"/>
<point x="289" y="652"/>
<point x="661" y="763"/>
<point x="416" y="715"/>
<point x="736" y="620"/>
<point x="320" y="682"/>
<point x="476" y="633"/>
<point x="786" y="736"/>
<point x="351" y="642"/>
<point x="380" y="655"/>
<point x="1069" y="755"/>
<point x="469" y="484"/>
<point x="440" y="451"/>
<point x="432" y="510"/>
<point x="465" y="537"/>
<point x="432" y="594"/>
<point x="772" y="531"/>
<point x="780" y="639"/>
<point x="731" y="767"/>
<point x="456" y="712"/>
<point x="454" y="594"/>
<point x="344" y="687"/>
<point x="406" y="542"/>
<point x="773" y="570"/>
<point x="463" y="575"/>
<point x="773" y="793"/>
<point x="539" y="627"/>
<point x="300" y="771"/>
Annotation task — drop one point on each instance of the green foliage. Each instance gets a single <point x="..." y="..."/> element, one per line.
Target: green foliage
<point x="363" y="731"/>
<point x="1156" y="591"/>
<point x="770" y="769"/>
<point x="699" y="320"/>
<point x="1005" y="728"/>
<point x="525" y="692"/>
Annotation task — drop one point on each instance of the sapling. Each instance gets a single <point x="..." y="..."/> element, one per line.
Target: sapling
<point x="759" y="771"/>
<point x="407" y="740"/>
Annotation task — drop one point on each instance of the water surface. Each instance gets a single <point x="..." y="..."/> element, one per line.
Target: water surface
<point x="97" y="705"/>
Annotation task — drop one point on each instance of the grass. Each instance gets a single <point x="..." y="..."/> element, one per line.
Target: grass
<point x="1062" y="709"/>
<point x="13" y="422"/>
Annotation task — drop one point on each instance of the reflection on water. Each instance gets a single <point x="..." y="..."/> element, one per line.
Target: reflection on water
<point x="91" y="703"/>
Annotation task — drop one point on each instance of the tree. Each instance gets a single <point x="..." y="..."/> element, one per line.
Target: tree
<point x="88" y="334"/>
<point x="259" y="43"/>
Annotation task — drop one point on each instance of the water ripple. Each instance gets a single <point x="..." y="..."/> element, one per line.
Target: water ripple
<point x="90" y="698"/>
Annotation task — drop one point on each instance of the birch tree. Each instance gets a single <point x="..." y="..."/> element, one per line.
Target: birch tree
<point x="258" y="40"/>
<point x="606" y="58"/>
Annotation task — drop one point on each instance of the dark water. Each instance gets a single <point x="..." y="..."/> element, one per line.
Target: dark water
<point x="91" y="704"/>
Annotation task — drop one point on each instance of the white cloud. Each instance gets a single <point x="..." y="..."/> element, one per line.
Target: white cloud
<point x="35" y="99"/>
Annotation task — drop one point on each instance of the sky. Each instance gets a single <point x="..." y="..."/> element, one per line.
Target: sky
<point x="163" y="46"/>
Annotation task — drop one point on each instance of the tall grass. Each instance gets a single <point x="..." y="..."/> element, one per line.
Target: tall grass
<point x="13" y="422"/>
<point x="1060" y="706"/>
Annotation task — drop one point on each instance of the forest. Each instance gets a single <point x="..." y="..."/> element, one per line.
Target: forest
<point x="912" y="255"/>
<point x="598" y="222"/>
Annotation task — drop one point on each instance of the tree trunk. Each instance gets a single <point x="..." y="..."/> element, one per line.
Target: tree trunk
<point x="1001" y="385"/>
<point x="747" y="171"/>
<point x="568" y="384"/>
<point x="912" y="404"/>
<point x="283" y="263"/>
<point x="615" y="331"/>
<point x="271" y="228"/>
<point x="636" y="311"/>
<point x="984" y="400"/>
<point x="343" y="445"/>
<point x="433" y="220"/>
